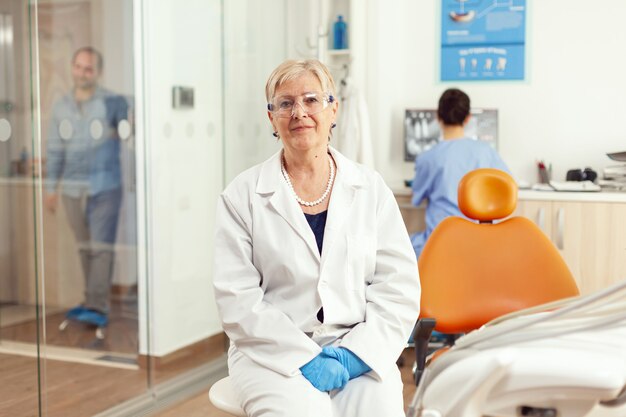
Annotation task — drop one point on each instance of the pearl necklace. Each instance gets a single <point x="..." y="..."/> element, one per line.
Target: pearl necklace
<point x="331" y="178"/>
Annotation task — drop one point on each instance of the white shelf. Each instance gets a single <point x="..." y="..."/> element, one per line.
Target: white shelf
<point x="339" y="52"/>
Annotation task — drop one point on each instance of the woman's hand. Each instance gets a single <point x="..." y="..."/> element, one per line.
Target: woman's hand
<point x="351" y="362"/>
<point x="325" y="373"/>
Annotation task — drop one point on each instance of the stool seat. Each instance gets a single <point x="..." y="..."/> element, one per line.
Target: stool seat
<point x="223" y="397"/>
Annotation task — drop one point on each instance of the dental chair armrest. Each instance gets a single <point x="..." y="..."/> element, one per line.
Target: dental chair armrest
<point x="421" y="335"/>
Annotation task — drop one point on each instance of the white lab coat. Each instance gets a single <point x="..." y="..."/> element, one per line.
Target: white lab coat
<point x="270" y="280"/>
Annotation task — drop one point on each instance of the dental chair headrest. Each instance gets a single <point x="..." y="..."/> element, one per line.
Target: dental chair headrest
<point x="487" y="194"/>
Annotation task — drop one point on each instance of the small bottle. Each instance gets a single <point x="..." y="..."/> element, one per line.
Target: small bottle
<point x="340" y="32"/>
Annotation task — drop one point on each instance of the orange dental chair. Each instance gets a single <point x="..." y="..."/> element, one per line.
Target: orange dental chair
<point x="473" y="272"/>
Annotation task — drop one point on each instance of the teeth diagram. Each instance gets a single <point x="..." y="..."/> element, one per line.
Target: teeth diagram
<point x="463" y="16"/>
<point x="462" y="64"/>
<point x="501" y="64"/>
<point x="483" y="40"/>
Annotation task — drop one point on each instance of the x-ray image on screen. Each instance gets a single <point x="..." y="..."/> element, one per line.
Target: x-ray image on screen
<point x="422" y="132"/>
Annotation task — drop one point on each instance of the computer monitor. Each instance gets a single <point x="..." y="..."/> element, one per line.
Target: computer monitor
<point x="422" y="132"/>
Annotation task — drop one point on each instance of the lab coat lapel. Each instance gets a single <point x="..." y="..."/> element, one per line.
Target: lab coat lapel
<point x="281" y="199"/>
<point x="347" y="181"/>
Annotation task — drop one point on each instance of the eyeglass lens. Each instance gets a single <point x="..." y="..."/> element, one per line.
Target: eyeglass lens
<point x="311" y="103"/>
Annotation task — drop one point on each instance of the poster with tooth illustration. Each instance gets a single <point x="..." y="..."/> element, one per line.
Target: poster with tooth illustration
<point x="483" y="40"/>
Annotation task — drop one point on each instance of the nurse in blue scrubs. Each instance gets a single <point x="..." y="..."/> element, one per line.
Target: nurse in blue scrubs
<point x="439" y="170"/>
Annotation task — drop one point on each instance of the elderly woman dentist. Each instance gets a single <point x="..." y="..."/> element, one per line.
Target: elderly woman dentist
<point x="315" y="277"/>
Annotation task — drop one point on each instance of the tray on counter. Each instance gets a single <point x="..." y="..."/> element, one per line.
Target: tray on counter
<point x="617" y="156"/>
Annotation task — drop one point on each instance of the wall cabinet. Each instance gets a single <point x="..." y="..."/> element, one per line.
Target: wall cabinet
<point x="591" y="237"/>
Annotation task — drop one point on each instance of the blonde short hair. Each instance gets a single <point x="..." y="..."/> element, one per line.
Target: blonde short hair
<point x="292" y="69"/>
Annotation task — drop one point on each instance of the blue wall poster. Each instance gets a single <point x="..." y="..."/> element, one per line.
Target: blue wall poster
<point x="483" y="39"/>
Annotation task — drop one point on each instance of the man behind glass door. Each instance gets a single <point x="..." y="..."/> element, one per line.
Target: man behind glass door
<point x="83" y="165"/>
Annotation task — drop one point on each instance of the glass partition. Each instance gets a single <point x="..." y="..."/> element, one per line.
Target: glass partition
<point x="88" y="233"/>
<point x="74" y="316"/>
<point x="19" y="297"/>
<point x="86" y="87"/>
<point x="68" y="217"/>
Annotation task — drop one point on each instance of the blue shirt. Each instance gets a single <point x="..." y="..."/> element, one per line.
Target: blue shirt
<point x="437" y="175"/>
<point x="318" y="225"/>
<point x="83" y="148"/>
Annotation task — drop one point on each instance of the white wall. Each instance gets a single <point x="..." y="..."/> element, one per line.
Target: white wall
<point x="564" y="113"/>
<point x="190" y="154"/>
<point x="184" y="170"/>
<point x="254" y="44"/>
<point x="567" y="112"/>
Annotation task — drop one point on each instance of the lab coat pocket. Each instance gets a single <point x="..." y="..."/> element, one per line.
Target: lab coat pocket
<point x="360" y="261"/>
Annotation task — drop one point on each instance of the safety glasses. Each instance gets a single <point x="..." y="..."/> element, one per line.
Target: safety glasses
<point x="310" y="103"/>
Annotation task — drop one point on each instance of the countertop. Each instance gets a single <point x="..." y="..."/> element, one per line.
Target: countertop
<point x="598" y="196"/>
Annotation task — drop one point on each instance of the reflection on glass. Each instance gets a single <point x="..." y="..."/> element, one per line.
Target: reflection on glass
<point x="5" y="130"/>
<point x="96" y="130"/>
<point x="88" y="208"/>
<point x="88" y="178"/>
<point x="18" y="372"/>
<point x="123" y="129"/>
<point x="65" y="129"/>
<point x="18" y="283"/>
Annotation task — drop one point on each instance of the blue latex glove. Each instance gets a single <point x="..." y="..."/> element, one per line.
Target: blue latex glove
<point x="325" y="373"/>
<point x="353" y="364"/>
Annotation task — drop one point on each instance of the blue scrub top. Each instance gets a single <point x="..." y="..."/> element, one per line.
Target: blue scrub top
<point x="437" y="175"/>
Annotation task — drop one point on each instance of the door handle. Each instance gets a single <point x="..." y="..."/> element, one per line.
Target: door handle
<point x="541" y="219"/>
<point x="560" y="227"/>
